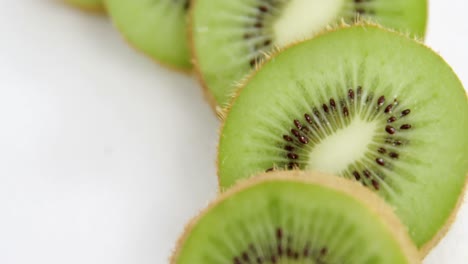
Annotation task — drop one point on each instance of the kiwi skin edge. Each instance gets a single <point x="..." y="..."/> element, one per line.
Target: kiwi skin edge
<point x="98" y="9"/>
<point x="223" y="112"/>
<point x="371" y="200"/>
<point x="218" y="110"/>
<point x="186" y="71"/>
<point x="426" y="248"/>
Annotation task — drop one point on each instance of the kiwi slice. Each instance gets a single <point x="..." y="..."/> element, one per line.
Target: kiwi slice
<point x="363" y="103"/>
<point x="89" y="5"/>
<point x="157" y="28"/>
<point x="296" y="217"/>
<point x="230" y="38"/>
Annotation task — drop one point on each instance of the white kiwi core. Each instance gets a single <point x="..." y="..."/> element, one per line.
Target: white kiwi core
<point x="336" y="152"/>
<point x="302" y="18"/>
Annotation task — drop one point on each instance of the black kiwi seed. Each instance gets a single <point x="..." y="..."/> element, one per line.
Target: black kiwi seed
<point x="359" y="91"/>
<point x="357" y="176"/>
<point x="289" y="148"/>
<point x="298" y="124"/>
<point x="345" y="111"/>
<point x="351" y="94"/>
<point x="308" y="118"/>
<point x="375" y="184"/>
<point x="391" y="130"/>
<point x="303" y="140"/>
<point x="367" y="174"/>
<point x="405" y="126"/>
<point x="263" y="8"/>
<point x="405" y="112"/>
<point x="381" y="101"/>
<point x="316" y="112"/>
<point x="253" y="61"/>
<point x="245" y="257"/>
<point x="279" y="233"/>
<point x="187" y="5"/>
<point x="323" y="251"/>
<point x="361" y="9"/>
<point x="293" y="165"/>
<point x="295" y="133"/>
<point x="325" y="108"/>
<point x="380" y="161"/>
<point x="388" y="109"/>
<point x="391" y="119"/>
<point x="332" y="104"/>
<point x="306" y="250"/>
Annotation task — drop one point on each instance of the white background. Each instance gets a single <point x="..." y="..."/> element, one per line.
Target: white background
<point x="105" y="155"/>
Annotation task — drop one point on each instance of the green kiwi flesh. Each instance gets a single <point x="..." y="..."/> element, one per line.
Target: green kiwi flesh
<point x="291" y="217"/>
<point x="363" y="103"/>
<point x="230" y="38"/>
<point x="157" y="28"/>
<point x="87" y="4"/>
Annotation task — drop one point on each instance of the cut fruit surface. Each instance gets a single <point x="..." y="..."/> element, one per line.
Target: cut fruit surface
<point x="230" y="38"/>
<point x="157" y="28"/>
<point x="363" y="103"/>
<point x="294" y="217"/>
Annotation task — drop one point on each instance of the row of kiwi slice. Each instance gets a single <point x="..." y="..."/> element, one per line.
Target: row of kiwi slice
<point x="349" y="147"/>
<point x="228" y="39"/>
<point x="372" y="106"/>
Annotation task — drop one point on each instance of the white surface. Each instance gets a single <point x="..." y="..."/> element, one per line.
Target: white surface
<point x="104" y="155"/>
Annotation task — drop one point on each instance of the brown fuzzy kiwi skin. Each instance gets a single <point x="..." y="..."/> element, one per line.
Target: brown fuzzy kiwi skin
<point x="187" y="71"/>
<point x="97" y="9"/>
<point x="426" y="248"/>
<point x="196" y="66"/>
<point x="366" y="197"/>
